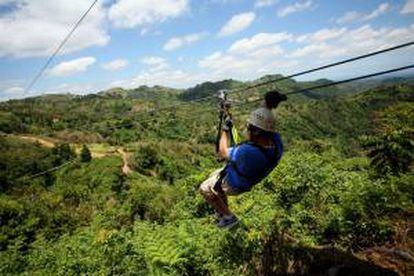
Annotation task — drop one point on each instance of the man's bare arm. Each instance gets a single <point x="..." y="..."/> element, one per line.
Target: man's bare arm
<point x="223" y="146"/>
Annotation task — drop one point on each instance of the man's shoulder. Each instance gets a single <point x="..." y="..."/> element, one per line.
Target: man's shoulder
<point x="245" y="147"/>
<point x="248" y="149"/>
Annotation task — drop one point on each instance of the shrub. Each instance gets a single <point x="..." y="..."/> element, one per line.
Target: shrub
<point x="145" y="160"/>
<point x="85" y="154"/>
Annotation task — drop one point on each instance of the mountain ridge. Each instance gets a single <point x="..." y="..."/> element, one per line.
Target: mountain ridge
<point x="209" y="88"/>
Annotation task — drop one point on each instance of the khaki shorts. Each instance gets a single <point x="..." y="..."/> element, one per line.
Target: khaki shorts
<point x="207" y="187"/>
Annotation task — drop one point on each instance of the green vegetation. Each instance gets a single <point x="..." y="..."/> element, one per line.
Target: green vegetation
<point x="85" y="154"/>
<point x="346" y="180"/>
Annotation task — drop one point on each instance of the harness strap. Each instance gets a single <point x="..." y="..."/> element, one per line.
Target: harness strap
<point x="222" y="175"/>
<point x="271" y="159"/>
<point x="218" y="189"/>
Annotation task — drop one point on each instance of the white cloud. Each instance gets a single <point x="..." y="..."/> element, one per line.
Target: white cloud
<point x="266" y="53"/>
<point x="353" y="16"/>
<point x="257" y="41"/>
<point x="318" y="49"/>
<point x="14" y="91"/>
<point x="68" y="68"/>
<point x="133" y="13"/>
<point x="223" y="1"/>
<point x="381" y="9"/>
<point x="237" y="23"/>
<point x="348" y="17"/>
<point x="155" y="63"/>
<point x="159" y="72"/>
<point x="352" y="42"/>
<point x="249" y="57"/>
<point x="267" y="60"/>
<point x="7" y="84"/>
<point x="170" y="78"/>
<point x="148" y="31"/>
<point x="114" y="65"/>
<point x="35" y="27"/>
<point x="408" y="7"/>
<point x="264" y="3"/>
<point x="296" y="7"/>
<point x="73" y="88"/>
<point x="178" y="42"/>
<point x="326" y="34"/>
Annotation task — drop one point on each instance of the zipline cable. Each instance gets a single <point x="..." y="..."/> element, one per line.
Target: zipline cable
<point x="411" y="43"/>
<point x="329" y="84"/>
<point x="29" y="177"/>
<point x="349" y="60"/>
<point x="312" y="88"/>
<point x="352" y="79"/>
<point x="289" y="93"/>
<point x="60" y="46"/>
<point x="341" y="62"/>
<point x="303" y="90"/>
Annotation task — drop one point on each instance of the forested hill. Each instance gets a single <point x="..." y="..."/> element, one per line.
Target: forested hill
<point x="107" y="184"/>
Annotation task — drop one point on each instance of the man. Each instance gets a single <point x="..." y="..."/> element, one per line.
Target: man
<point x="247" y="163"/>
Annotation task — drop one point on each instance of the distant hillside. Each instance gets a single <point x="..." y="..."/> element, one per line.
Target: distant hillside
<point x="363" y="85"/>
<point x="142" y="92"/>
<point x="159" y="94"/>
<point x="206" y="89"/>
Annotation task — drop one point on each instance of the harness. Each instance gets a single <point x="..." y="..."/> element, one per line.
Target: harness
<point x="271" y="159"/>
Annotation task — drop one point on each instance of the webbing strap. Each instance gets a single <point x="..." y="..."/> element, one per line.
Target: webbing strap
<point x="222" y="174"/>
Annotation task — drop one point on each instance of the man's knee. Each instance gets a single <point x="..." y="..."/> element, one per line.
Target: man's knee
<point x="205" y="191"/>
<point x="207" y="187"/>
<point x="201" y="190"/>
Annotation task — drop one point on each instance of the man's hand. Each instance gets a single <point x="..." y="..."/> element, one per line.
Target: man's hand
<point x="228" y="124"/>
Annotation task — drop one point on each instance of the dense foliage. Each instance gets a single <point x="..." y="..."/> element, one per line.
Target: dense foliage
<point x="346" y="180"/>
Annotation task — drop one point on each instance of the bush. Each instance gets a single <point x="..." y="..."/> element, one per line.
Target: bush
<point x="145" y="160"/>
<point x="86" y="154"/>
<point x="147" y="200"/>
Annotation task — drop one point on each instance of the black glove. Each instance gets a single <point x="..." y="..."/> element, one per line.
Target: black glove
<point x="228" y="124"/>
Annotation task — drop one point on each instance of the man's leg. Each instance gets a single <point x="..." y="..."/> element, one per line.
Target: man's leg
<point x="223" y="197"/>
<point x="217" y="201"/>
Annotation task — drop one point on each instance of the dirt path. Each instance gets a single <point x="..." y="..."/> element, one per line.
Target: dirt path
<point x="125" y="168"/>
<point x="50" y="143"/>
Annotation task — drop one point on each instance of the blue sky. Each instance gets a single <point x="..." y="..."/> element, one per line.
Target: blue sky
<point x="180" y="43"/>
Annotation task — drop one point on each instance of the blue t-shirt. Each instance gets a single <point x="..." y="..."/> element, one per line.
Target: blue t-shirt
<point x="249" y="164"/>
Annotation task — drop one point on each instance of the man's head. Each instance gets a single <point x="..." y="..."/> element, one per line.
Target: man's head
<point x="256" y="134"/>
<point x="262" y="122"/>
<point x="263" y="118"/>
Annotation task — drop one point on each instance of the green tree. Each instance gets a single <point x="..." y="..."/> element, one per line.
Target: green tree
<point x="63" y="153"/>
<point x="146" y="159"/>
<point x="391" y="152"/>
<point x="85" y="154"/>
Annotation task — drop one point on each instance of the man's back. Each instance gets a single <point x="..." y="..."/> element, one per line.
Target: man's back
<point x="250" y="163"/>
